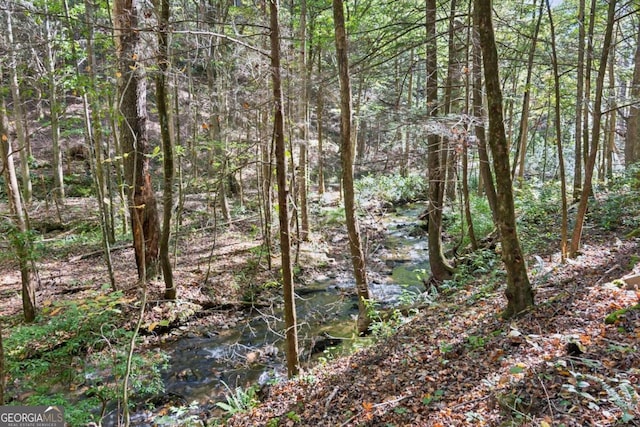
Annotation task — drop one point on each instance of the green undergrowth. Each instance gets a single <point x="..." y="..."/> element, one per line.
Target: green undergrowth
<point x="395" y="189"/>
<point x="74" y="355"/>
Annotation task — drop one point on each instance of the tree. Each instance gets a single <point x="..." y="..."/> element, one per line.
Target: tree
<point x="18" y="111"/>
<point x="632" y="139"/>
<point x="347" y="158"/>
<point x="440" y="268"/>
<point x="21" y="235"/>
<point x="595" y="134"/>
<point x="558" y="124"/>
<point x="283" y="212"/>
<point x="132" y="106"/>
<point x="577" y="172"/>
<point x="519" y="293"/>
<point x="163" y="7"/>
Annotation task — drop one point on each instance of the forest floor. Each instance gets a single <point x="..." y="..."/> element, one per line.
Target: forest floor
<point x="455" y="363"/>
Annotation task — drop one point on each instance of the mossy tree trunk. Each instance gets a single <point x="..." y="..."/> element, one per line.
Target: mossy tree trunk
<point x="162" y="6"/>
<point x="519" y="293"/>
<point x="440" y="268"/>
<point x="347" y="159"/>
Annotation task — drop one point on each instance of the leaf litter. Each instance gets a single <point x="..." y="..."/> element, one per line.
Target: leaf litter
<point x="458" y="363"/>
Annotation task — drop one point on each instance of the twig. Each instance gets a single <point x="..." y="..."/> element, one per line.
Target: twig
<point x="329" y="399"/>
<point x="547" y="396"/>
<point x="391" y="402"/>
<point x="460" y="405"/>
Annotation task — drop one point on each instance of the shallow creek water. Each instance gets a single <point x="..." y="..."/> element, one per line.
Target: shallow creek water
<point x="251" y="349"/>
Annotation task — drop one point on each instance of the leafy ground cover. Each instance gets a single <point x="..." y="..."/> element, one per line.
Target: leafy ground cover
<point x="457" y="363"/>
<point x="572" y="360"/>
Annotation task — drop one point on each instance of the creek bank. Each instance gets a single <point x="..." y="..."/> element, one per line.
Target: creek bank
<point x="247" y="348"/>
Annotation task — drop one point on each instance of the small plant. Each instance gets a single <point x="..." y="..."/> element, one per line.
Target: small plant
<point x="475" y="342"/>
<point x="293" y="416"/>
<point x="238" y="400"/>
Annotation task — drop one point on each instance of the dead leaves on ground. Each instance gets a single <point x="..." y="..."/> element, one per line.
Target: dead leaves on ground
<point x="459" y="365"/>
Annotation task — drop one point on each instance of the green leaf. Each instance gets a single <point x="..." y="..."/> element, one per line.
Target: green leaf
<point x="516" y="370"/>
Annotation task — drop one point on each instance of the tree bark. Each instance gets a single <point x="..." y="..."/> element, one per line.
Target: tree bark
<point x="440" y="268"/>
<point x="519" y="293"/>
<point x="132" y="91"/>
<point x="632" y="139"/>
<point x="580" y="105"/>
<point x="347" y="158"/>
<point x="595" y="134"/>
<point x="557" y="125"/>
<point x="486" y="177"/>
<point x="524" y="117"/>
<point x="303" y="168"/>
<point x="18" y="112"/>
<point x="54" y="109"/>
<point x="293" y="365"/>
<point x="167" y="147"/>
<point x="20" y="235"/>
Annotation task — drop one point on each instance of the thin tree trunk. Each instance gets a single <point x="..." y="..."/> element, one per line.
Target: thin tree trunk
<point x="347" y="157"/>
<point x="440" y="268"/>
<point x="524" y="118"/>
<point x="18" y="112"/>
<point x="632" y="139"/>
<point x="320" y="116"/>
<point x="293" y="365"/>
<point x="595" y="134"/>
<point x="163" y="7"/>
<point x="519" y="293"/>
<point x="486" y="177"/>
<point x="589" y="54"/>
<point x="54" y="110"/>
<point x="580" y="104"/>
<point x="95" y="159"/>
<point x="20" y="236"/>
<point x="303" y="168"/>
<point x="563" y="182"/>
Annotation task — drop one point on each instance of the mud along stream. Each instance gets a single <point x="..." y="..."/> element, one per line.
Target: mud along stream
<point x="249" y="349"/>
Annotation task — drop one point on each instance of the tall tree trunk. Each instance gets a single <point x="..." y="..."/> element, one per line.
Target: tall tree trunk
<point x="524" y="117"/>
<point x="580" y="105"/>
<point x="451" y="102"/>
<point x="347" y="158"/>
<point x="54" y="109"/>
<point x="632" y="139"/>
<point x="589" y="55"/>
<point x="519" y="293"/>
<point x="132" y="95"/>
<point x="18" y="112"/>
<point x="163" y="6"/>
<point x="440" y="268"/>
<point x="21" y="235"/>
<point x="486" y="177"/>
<point x="96" y="158"/>
<point x="595" y="134"/>
<point x="293" y="365"/>
<point x="557" y="125"/>
<point x="320" y="117"/>
<point x="303" y="167"/>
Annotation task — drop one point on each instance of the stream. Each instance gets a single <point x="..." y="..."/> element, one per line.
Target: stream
<point x="251" y="350"/>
